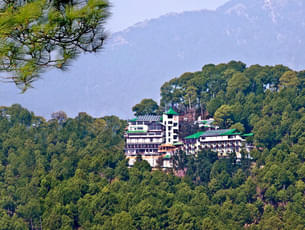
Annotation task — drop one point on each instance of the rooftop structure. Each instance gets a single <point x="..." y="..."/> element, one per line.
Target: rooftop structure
<point x="170" y="121"/>
<point x="208" y="124"/>
<point x="156" y="139"/>
<point x="146" y="133"/>
<point x="146" y="118"/>
<point x="171" y="112"/>
<point x="223" y="141"/>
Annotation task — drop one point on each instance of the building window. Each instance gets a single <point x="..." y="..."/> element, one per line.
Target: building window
<point x="170" y="116"/>
<point x="175" y="124"/>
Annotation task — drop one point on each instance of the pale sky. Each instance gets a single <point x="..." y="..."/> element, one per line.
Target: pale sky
<point x="126" y="13"/>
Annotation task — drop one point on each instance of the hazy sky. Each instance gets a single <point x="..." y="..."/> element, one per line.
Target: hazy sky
<point x="128" y="12"/>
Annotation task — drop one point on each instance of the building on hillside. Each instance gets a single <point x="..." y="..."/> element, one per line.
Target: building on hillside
<point x="166" y="152"/>
<point x="208" y="124"/>
<point x="222" y="141"/>
<point x="155" y="139"/>
<point x="146" y="133"/>
<point x="143" y="137"/>
<point x="170" y="121"/>
<point x="188" y="116"/>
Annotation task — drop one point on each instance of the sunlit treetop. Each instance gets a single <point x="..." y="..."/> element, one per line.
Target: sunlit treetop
<point x="38" y="34"/>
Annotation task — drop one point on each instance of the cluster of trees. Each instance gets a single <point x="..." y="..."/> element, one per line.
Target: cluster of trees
<point x="269" y="100"/>
<point x="48" y="169"/>
<point x="72" y="174"/>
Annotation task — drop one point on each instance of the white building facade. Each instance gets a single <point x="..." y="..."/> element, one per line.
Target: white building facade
<point x="155" y="138"/>
<point x="170" y="122"/>
<point x="222" y="141"/>
<point x="146" y="133"/>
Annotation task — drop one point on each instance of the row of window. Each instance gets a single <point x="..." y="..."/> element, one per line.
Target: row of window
<point x="141" y="146"/>
<point x="153" y="151"/>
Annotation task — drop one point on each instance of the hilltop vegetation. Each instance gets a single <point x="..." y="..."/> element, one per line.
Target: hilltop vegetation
<point x="269" y="100"/>
<point x="71" y="173"/>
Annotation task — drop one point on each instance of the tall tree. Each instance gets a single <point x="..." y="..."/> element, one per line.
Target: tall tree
<point x="38" y="34"/>
<point x="146" y="106"/>
<point x="289" y="79"/>
<point x="224" y="116"/>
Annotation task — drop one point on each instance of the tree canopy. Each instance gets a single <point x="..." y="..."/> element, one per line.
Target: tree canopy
<point x="38" y="34"/>
<point x="146" y="106"/>
<point x="71" y="173"/>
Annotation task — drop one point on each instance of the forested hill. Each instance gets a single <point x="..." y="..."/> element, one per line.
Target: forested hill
<point x="71" y="173"/>
<point x="269" y="100"/>
<point x="136" y="61"/>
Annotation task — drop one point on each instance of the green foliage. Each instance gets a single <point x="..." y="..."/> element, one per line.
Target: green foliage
<point x="146" y="106"/>
<point x="72" y="174"/>
<point x="38" y="34"/>
<point x="224" y="116"/>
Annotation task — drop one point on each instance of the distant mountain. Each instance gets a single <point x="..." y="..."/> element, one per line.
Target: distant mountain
<point x="137" y="61"/>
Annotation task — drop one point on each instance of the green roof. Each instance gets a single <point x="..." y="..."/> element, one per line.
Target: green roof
<point x="211" y="133"/>
<point x="136" y="131"/>
<point x="167" y="156"/>
<point x="248" y="135"/>
<point x="229" y="132"/>
<point x="171" y="112"/>
<point x="134" y="119"/>
<point x="195" y="135"/>
<point x="178" y="143"/>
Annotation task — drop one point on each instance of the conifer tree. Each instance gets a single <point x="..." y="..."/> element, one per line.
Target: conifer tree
<point x="38" y="34"/>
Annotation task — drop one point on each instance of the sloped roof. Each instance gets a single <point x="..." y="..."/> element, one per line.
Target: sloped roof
<point x="207" y="122"/>
<point x="171" y="112"/>
<point x="218" y="132"/>
<point x="147" y="118"/>
<point x="213" y="133"/>
<point x="248" y="135"/>
<point x="136" y="131"/>
<point x="178" y="143"/>
<point x="195" y="135"/>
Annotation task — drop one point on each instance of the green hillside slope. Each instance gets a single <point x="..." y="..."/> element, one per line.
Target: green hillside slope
<point x="71" y="173"/>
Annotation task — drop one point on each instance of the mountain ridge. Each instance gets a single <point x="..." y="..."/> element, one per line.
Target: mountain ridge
<point x="137" y="61"/>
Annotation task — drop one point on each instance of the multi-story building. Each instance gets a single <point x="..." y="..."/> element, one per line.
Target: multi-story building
<point x="155" y="139"/>
<point x="208" y="124"/>
<point x="170" y="121"/>
<point x="146" y="133"/>
<point x="222" y="141"/>
<point x="143" y="137"/>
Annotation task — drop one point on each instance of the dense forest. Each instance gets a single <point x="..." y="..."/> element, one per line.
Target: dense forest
<point x="72" y="174"/>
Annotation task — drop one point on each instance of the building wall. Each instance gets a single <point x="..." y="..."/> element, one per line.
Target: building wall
<point x="171" y="124"/>
<point x="220" y="144"/>
<point x="143" y="138"/>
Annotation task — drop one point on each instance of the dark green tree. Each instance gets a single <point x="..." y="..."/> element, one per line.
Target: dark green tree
<point x="146" y="106"/>
<point x="36" y="35"/>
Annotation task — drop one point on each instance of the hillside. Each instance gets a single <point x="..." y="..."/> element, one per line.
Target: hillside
<point x="136" y="61"/>
<point x="72" y="174"/>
